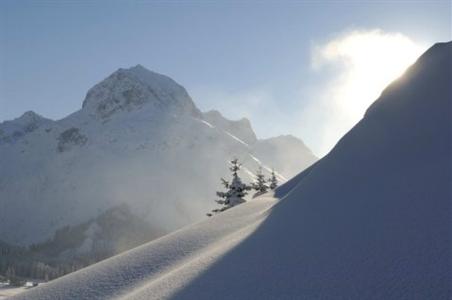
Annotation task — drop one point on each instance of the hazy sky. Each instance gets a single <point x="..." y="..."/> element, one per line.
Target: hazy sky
<point x="291" y="67"/>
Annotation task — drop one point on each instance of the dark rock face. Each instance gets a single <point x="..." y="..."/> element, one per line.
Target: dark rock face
<point x="70" y="137"/>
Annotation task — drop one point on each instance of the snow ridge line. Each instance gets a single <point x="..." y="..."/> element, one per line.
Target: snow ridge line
<point x="152" y="260"/>
<point x="224" y="131"/>
<point x="279" y="175"/>
<point x="194" y="264"/>
<point x="236" y="138"/>
<point x="205" y="122"/>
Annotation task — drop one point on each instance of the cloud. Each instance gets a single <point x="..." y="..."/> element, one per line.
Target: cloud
<point x="349" y="71"/>
<point x="357" y="66"/>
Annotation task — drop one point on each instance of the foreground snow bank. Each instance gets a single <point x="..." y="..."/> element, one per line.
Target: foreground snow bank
<point x="371" y="220"/>
<point x="160" y="268"/>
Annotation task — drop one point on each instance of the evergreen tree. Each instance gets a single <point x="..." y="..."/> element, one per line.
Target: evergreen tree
<point x="260" y="184"/>
<point x="236" y="190"/>
<point x="273" y="181"/>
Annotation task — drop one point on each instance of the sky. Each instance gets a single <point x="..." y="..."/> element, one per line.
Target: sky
<point x="306" y="68"/>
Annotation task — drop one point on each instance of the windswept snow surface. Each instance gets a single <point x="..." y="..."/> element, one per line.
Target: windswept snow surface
<point x="371" y="220"/>
<point x="158" y="269"/>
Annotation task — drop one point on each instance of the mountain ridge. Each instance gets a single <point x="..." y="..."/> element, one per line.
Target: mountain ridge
<point x="67" y="171"/>
<point x="128" y="89"/>
<point x="370" y="220"/>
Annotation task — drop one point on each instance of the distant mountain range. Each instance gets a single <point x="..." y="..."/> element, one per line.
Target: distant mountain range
<point x="138" y="142"/>
<point x="371" y="220"/>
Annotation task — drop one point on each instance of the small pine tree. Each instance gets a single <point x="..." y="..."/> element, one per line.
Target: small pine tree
<point x="236" y="190"/>
<point x="273" y="181"/>
<point x="260" y="184"/>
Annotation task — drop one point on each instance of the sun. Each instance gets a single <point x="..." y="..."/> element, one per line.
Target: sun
<point x="371" y="60"/>
<point x="367" y="61"/>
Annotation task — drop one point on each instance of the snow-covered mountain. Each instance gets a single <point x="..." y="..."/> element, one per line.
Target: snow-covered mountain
<point x="371" y="220"/>
<point x="138" y="140"/>
<point x="11" y="131"/>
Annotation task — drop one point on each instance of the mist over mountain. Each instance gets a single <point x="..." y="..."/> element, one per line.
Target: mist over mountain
<point x="139" y="141"/>
<point x="371" y="220"/>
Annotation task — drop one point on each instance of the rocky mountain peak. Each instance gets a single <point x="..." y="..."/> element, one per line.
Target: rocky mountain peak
<point x="240" y="128"/>
<point x="136" y="87"/>
<point x="29" y="121"/>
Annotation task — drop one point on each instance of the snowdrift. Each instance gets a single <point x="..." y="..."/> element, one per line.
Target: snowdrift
<point x="165" y="264"/>
<point x="371" y="220"/>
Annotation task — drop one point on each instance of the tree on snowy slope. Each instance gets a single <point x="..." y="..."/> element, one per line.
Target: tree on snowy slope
<point x="260" y="185"/>
<point x="236" y="190"/>
<point x="273" y="181"/>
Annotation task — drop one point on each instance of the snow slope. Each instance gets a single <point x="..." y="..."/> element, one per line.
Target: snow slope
<point x="138" y="140"/>
<point x="164" y="265"/>
<point x="371" y="220"/>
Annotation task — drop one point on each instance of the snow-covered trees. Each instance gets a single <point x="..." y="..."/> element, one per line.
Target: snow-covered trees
<point x="236" y="190"/>
<point x="260" y="185"/>
<point x="273" y="181"/>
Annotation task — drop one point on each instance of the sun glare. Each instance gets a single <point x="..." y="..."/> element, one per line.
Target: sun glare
<point x="368" y="62"/>
<point x="371" y="60"/>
